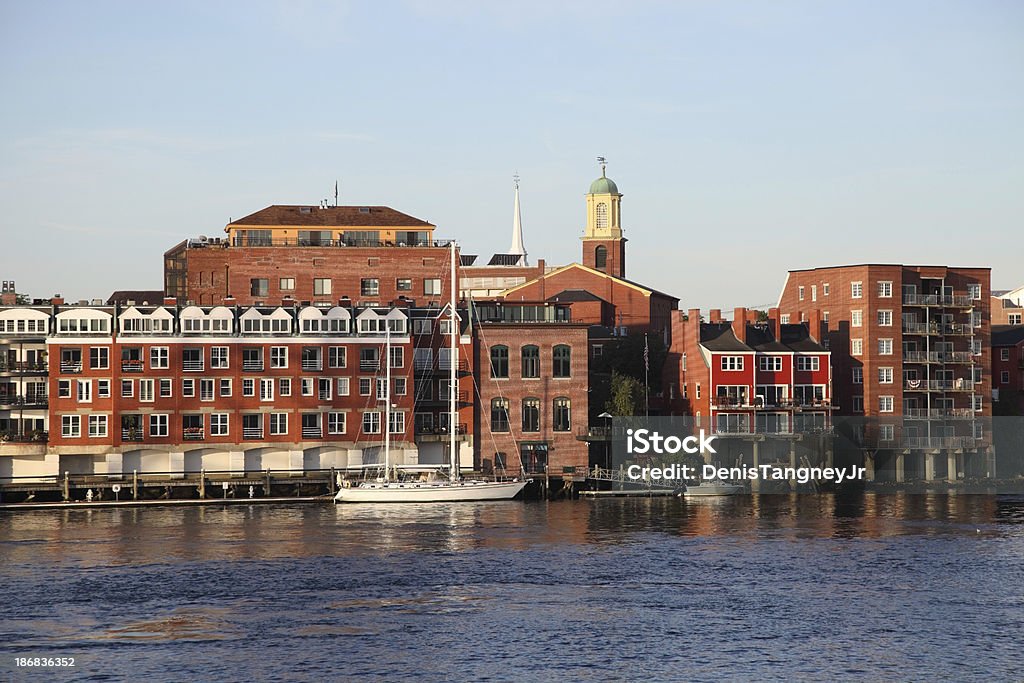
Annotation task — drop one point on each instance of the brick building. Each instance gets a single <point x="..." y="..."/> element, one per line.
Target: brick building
<point x="910" y="348"/>
<point x="1008" y="367"/>
<point x="1006" y="311"/>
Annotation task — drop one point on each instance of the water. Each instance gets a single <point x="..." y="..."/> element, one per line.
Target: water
<point x="872" y="587"/>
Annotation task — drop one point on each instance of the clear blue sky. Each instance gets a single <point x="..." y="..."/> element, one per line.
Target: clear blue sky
<point x="747" y="137"/>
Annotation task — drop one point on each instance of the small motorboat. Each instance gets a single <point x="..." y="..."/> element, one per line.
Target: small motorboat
<point x="712" y="488"/>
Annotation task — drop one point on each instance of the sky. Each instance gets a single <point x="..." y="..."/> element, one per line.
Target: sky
<point x="747" y="138"/>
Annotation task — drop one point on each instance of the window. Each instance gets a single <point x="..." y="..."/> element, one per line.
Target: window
<point x="321" y="286"/>
<point x="166" y="390"/>
<point x="886" y="432"/>
<point x="977" y="403"/>
<point x="158" y="425"/>
<point x="885" y="347"/>
<point x="598" y="351"/>
<point x="432" y="287"/>
<point x="858" y="375"/>
<point x="808" y="363"/>
<point x="248" y="386"/>
<point x="422" y="326"/>
<point x="732" y="362"/>
<point x="259" y="286"/>
<point x="814" y="292"/>
<point x="159" y="358"/>
<point x="976" y="347"/>
<point x="64" y="388"/>
<point x="531" y="415"/>
<point x="1013" y="318"/>
<point x="601" y="256"/>
<point x="365" y="386"/>
<point x="278" y="356"/>
<point x="307" y="387"/>
<point x="219" y="357"/>
<point x="499" y="362"/>
<point x="800" y="292"/>
<point x="784" y="319"/>
<point x="974" y="291"/>
<point x="284" y="386"/>
<point x="403" y="284"/>
<point x="561" y="359"/>
<point x="858" y="404"/>
<point x="324" y="386"/>
<point x="770" y="363"/>
<point x="145" y="390"/>
<point x="401" y="386"/>
<point x="335" y="423"/>
<point x="369" y="286"/>
<point x="499" y="415"/>
<point x="531" y="361"/>
<point x="278" y="424"/>
<point x="71" y="426"/>
<point x="218" y="424"/>
<point x="601" y="215"/>
<point x="885" y="318"/>
<point x="856" y="347"/>
<point x="856" y="318"/>
<point x="397" y="357"/>
<point x="698" y="390"/>
<point x="369" y="358"/>
<point x="97" y="426"/>
<point x="225" y="388"/>
<point x="885" y="404"/>
<point x="885" y="375"/>
<point x="192" y="359"/>
<point x="856" y="290"/>
<point x="1004" y="354"/>
<point x="1004" y="377"/>
<point x="99" y="357"/>
<point x="286" y="284"/>
<point x="342" y="387"/>
<point x="885" y="289"/>
<point x="103" y="388"/>
<point x="127" y="388"/>
<point x="252" y="426"/>
<point x="560" y="415"/>
<point x="397" y="423"/>
<point x="371" y="422"/>
<point x="266" y="389"/>
<point x="976" y="318"/>
<point x="252" y="358"/>
<point x="336" y="356"/>
<point x="825" y="289"/>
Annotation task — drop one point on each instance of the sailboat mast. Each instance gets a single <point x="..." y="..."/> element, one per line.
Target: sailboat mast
<point x="387" y="400"/>
<point x="453" y="424"/>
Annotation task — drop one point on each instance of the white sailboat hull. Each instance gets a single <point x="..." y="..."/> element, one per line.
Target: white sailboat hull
<point x="419" y="492"/>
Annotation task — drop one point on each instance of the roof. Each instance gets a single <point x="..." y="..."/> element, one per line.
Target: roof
<point x="888" y="265"/>
<point x="332" y="216"/>
<point x="603" y="185"/>
<point x="1007" y="335"/>
<point x="760" y="338"/>
<point x="720" y="337"/>
<point x="123" y="296"/>
<point x="579" y="266"/>
<point x="797" y="337"/>
<point x="571" y="295"/>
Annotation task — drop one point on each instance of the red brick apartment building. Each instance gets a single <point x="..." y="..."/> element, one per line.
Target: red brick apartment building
<point x="1008" y="368"/>
<point x="762" y="384"/>
<point x="910" y="348"/>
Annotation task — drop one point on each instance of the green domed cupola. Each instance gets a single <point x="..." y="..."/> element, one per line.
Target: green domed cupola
<point x="603" y="185"/>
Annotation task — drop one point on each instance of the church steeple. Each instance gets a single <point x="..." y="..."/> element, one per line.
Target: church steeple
<point x="517" y="229"/>
<point x="604" y="247"/>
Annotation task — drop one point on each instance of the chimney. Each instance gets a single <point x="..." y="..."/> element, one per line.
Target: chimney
<point x="739" y="323"/>
<point x="57" y="300"/>
<point x="287" y="300"/>
<point x="715" y="315"/>
<point x="773" y="322"/>
<point x="815" y="324"/>
<point x="170" y="301"/>
<point x="229" y="300"/>
<point x="752" y="317"/>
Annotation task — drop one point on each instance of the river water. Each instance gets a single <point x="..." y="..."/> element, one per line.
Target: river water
<point x="808" y="587"/>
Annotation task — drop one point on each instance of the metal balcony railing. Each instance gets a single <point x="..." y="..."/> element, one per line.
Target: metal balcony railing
<point x="939" y="442"/>
<point x="311" y="432"/>
<point x="24" y="437"/>
<point x="252" y="365"/>
<point x="193" y="434"/>
<point x="741" y="428"/>
<point x="193" y="365"/>
<point x="731" y="402"/>
<point x="951" y="301"/>
<point x="132" y="366"/>
<point x="939" y="357"/>
<point x="252" y="432"/>
<point x="937" y="413"/>
<point x="312" y="364"/>
<point x="369" y="364"/>
<point x="70" y="367"/>
<point x="131" y="434"/>
<point x="36" y="399"/>
<point x="22" y="366"/>
<point x="959" y="384"/>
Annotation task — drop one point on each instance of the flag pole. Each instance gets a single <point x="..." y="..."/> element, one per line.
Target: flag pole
<point x="647" y="384"/>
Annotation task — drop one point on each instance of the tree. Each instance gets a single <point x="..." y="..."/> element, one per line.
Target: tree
<point x="627" y="396"/>
<point x="625" y="355"/>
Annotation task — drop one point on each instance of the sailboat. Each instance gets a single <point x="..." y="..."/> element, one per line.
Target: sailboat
<point x="393" y="490"/>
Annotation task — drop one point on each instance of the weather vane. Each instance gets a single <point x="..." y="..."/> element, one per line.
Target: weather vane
<point x="603" y="162"/>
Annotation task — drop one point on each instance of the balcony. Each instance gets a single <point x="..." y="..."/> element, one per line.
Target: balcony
<point x="252" y="432"/>
<point x="34" y="436"/>
<point x="131" y="434"/>
<point x="811" y="403"/>
<point x="739" y="428"/>
<point x="70" y="366"/>
<point x="952" y="442"/>
<point x="193" y="365"/>
<point x="461" y="398"/>
<point x="312" y="364"/>
<point x="959" y="384"/>
<point x="939" y="357"/>
<point x="426" y="366"/>
<point x="28" y="400"/>
<point x="311" y="432"/>
<point x="945" y="301"/>
<point x="324" y="395"/>
<point x="937" y="413"/>
<point x="132" y="366"/>
<point x="193" y="434"/>
<point x="732" y="402"/>
<point x="252" y="365"/>
<point x="24" y="367"/>
<point x="371" y="365"/>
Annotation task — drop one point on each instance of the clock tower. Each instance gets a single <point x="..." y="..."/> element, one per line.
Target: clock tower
<point x="604" y="247"/>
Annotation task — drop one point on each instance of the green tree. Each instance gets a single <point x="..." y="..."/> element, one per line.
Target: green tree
<point x="627" y="396"/>
<point x="625" y="356"/>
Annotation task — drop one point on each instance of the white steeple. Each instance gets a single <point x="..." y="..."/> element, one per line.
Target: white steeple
<point x="517" y="229"/>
